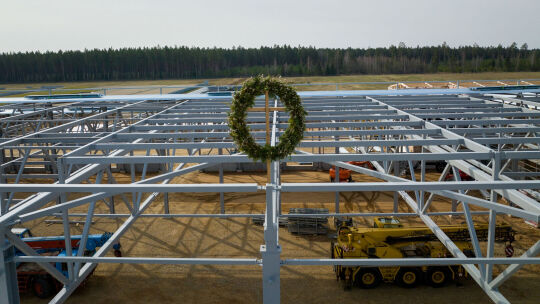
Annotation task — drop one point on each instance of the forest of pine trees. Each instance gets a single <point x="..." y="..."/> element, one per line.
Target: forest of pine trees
<point x="194" y="62"/>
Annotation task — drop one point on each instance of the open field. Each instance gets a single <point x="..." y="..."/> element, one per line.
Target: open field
<point x="239" y="238"/>
<point x="75" y="87"/>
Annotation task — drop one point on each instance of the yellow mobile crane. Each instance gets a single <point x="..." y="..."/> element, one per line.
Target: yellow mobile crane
<point x="389" y="239"/>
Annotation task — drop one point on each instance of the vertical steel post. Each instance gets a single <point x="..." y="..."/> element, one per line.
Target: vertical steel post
<point x="271" y="251"/>
<point x="396" y="198"/>
<point x="336" y="179"/>
<point x="492" y="217"/>
<point x="9" y="289"/>
<point x="421" y="199"/>
<point x="267" y="120"/>
<point x="221" y="194"/>
<point x="166" y="203"/>
<point x="3" y="200"/>
<point x="65" y="218"/>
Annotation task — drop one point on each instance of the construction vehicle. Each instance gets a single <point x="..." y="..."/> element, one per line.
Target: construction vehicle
<point x="31" y="277"/>
<point x="345" y="174"/>
<point x="387" y="222"/>
<point x="391" y="240"/>
<point x="462" y="176"/>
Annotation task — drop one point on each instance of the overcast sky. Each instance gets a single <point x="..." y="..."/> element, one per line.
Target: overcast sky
<point x="72" y="24"/>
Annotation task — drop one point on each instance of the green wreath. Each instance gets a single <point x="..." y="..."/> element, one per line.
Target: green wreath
<point x="245" y="99"/>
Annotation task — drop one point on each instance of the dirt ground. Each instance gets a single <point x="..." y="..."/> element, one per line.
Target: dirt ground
<point x="239" y="238"/>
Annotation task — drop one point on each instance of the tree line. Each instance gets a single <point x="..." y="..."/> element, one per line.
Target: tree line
<point x="194" y="62"/>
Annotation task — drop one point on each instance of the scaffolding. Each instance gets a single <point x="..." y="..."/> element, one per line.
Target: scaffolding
<point x="76" y="144"/>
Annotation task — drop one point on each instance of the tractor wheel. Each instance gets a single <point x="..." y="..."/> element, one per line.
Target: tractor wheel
<point x="408" y="277"/>
<point x="368" y="278"/>
<point x="43" y="287"/>
<point x="437" y="276"/>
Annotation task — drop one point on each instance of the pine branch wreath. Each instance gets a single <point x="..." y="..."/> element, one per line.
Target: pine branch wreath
<point x="245" y="99"/>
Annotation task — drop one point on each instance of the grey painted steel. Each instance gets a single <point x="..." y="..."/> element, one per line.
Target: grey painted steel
<point x="136" y="260"/>
<point x="464" y="131"/>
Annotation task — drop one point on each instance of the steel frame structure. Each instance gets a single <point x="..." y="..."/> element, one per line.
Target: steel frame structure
<point x="78" y="143"/>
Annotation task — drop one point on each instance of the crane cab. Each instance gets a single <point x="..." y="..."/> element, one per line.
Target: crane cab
<point x="387" y="222"/>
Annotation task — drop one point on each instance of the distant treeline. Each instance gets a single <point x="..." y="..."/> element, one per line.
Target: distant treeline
<point x="186" y="62"/>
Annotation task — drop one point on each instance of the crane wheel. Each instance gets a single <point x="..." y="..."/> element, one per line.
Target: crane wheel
<point x="368" y="278"/>
<point x="408" y="277"/>
<point x="437" y="276"/>
<point x="43" y="287"/>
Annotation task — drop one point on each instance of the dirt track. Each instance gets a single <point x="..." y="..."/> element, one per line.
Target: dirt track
<point x="202" y="237"/>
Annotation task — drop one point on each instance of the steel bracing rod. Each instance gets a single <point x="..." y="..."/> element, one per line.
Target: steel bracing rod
<point x="66" y="291"/>
<point x="102" y="195"/>
<point x="17" y="179"/>
<point x="86" y="270"/>
<point x="8" y="272"/>
<point x="444" y="132"/>
<point x="507" y="273"/>
<point x="407" y="186"/>
<point x="86" y="227"/>
<point x="43" y="198"/>
<point x="475" y="273"/>
<point x="21" y="117"/>
<point x="167" y="176"/>
<point x="517" y="101"/>
<point x="16" y="141"/>
<point x="23" y="247"/>
<point x="27" y="154"/>
<point x="445" y="240"/>
<point x="442" y="177"/>
<point x="58" y="128"/>
<point x="86" y="148"/>
<point x="513" y="195"/>
<point x="470" y="225"/>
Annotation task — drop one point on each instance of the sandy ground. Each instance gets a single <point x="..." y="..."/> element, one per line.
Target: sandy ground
<point x="239" y="238"/>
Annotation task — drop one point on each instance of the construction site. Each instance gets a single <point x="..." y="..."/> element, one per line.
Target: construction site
<point x="416" y="193"/>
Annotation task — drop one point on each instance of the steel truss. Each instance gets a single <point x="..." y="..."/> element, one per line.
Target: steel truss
<point x="74" y="146"/>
